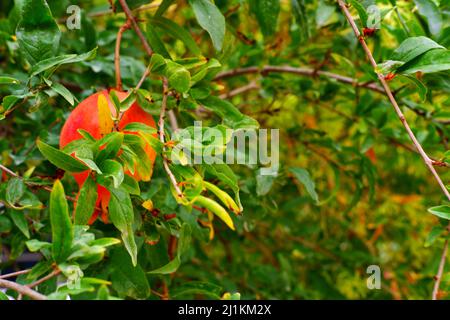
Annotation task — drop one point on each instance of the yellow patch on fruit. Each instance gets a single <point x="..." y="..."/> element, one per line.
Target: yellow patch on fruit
<point x="105" y="121"/>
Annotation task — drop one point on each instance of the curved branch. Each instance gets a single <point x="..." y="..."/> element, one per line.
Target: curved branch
<point x="299" y="71"/>
<point x="136" y="28"/>
<point x="23" y="290"/>
<point x="122" y="29"/>
<point x="161" y="138"/>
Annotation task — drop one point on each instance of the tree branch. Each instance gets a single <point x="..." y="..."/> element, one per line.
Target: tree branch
<point x="23" y="290"/>
<point x="438" y="277"/>
<point x="428" y="162"/>
<point x="43" y="279"/>
<point x="161" y="138"/>
<point x="299" y="71"/>
<point x="122" y="29"/>
<point x="14" y="274"/>
<point x="136" y="28"/>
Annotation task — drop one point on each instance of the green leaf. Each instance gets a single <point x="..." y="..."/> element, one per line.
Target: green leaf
<point x="413" y="47"/>
<point x="302" y="175"/>
<point x="85" y="154"/>
<point x="122" y="216"/>
<point x="60" y="159"/>
<point x="156" y="43"/>
<point x="421" y="89"/>
<point x="8" y="80"/>
<point x="105" y="242"/>
<point x="57" y="61"/>
<point x="179" y="77"/>
<point x="266" y="12"/>
<point x="434" y="234"/>
<point x="430" y="11"/>
<point x="14" y="190"/>
<point x="19" y="219"/>
<point x="197" y="288"/>
<point x="86" y="199"/>
<point x="112" y="142"/>
<point x="36" y="245"/>
<point x="230" y="115"/>
<point x="128" y="280"/>
<point x="139" y="127"/>
<point x="131" y="185"/>
<point x="432" y="61"/>
<point x="163" y="7"/>
<point x="175" y="31"/>
<point x="324" y="14"/>
<point x="62" y="230"/>
<point x="211" y="19"/>
<point x="301" y="17"/>
<point x="114" y="169"/>
<point x="37" y="33"/>
<point x="361" y="11"/>
<point x="5" y="224"/>
<point x="61" y="90"/>
<point x="183" y="245"/>
<point x="389" y="66"/>
<point x="3" y="296"/>
<point x="441" y="211"/>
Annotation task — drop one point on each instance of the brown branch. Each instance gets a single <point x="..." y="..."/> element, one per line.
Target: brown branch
<point x="23" y="290"/>
<point x="144" y="76"/>
<point x="248" y="87"/>
<point x="136" y="28"/>
<point x="299" y="71"/>
<point x="161" y="138"/>
<point x="438" y="276"/>
<point x="122" y="29"/>
<point x="43" y="279"/>
<point x="428" y="162"/>
<point x="14" y="274"/>
<point x="107" y="12"/>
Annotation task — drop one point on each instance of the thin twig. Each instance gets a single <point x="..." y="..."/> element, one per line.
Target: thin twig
<point x="141" y="8"/>
<point x="24" y="290"/>
<point x="8" y="171"/>
<point x="161" y="138"/>
<point x="248" y="87"/>
<point x="298" y="71"/>
<point x="136" y="28"/>
<point x="122" y="29"/>
<point x="428" y="162"/>
<point x="14" y="274"/>
<point x="438" y="276"/>
<point x="144" y="76"/>
<point x="43" y="279"/>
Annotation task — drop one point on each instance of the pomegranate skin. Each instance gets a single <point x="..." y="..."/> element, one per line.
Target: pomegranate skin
<point x="87" y="116"/>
